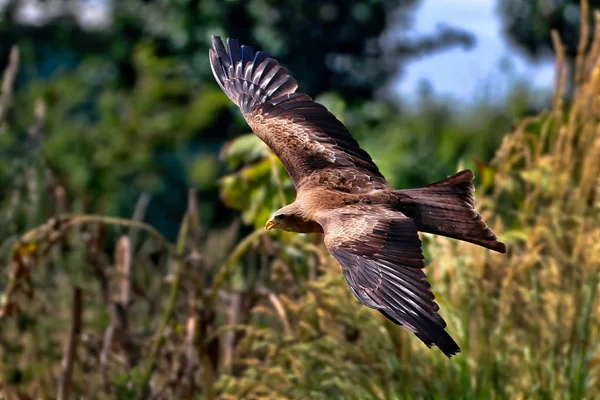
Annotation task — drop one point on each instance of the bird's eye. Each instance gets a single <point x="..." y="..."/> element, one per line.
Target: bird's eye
<point x="279" y="217"/>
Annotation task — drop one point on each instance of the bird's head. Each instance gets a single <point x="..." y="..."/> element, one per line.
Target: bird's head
<point x="279" y="221"/>
<point x="290" y="219"/>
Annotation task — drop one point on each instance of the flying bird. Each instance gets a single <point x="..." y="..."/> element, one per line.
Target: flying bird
<point x="369" y="228"/>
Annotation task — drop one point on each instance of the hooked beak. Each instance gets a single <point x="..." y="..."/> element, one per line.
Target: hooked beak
<point x="270" y="225"/>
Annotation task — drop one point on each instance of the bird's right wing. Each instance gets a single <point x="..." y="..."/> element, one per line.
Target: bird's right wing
<point x="305" y="136"/>
<point x="381" y="258"/>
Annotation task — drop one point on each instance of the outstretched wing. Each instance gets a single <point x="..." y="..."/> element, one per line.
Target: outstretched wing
<point x="381" y="257"/>
<point x="305" y="136"/>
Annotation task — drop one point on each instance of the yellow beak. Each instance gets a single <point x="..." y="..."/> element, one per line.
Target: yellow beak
<point x="270" y="225"/>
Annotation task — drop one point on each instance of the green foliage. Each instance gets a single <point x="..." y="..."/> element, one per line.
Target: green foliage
<point x="261" y="186"/>
<point x="424" y="142"/>
<point x="97" y="138"/>
<point x="107" y="144"/>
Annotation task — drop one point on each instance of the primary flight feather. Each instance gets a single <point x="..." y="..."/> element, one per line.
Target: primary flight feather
<point x="369" y="228"/>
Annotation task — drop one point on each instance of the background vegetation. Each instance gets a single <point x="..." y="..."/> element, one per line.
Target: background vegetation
<point x="134" y="198"/>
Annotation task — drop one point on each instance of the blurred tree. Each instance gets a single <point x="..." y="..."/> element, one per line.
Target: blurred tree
<point x="528" y="23"/>
<point x="132" y="105"/>
<point x="333" y="45"/>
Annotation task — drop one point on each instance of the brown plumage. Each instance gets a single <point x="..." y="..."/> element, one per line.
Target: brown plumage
<point x="370" y="229"/>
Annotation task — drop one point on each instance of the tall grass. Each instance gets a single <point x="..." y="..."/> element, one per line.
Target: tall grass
<point x="534" y="316"/>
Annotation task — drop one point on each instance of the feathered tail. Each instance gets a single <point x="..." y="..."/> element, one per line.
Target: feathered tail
<point x="447" y="208"/>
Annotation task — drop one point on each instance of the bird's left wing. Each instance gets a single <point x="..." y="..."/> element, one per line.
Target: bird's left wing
<point x="305" y="136"/>
<point x="381" y="258"/>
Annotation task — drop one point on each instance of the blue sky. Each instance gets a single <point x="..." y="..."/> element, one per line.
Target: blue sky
<point x="462" y="73"/>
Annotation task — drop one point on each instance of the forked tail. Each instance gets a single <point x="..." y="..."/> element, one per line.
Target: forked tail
<point x="447" y="208"/>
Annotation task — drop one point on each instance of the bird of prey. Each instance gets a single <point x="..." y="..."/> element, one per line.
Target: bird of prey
<point x="369" y="228"/>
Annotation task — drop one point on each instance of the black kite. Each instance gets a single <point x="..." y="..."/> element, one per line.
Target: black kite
<point x="368" y="227"/>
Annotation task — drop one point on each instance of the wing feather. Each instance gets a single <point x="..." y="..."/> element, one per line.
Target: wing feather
<point x="382" y="260"/>
<point x="305" y="136"/>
